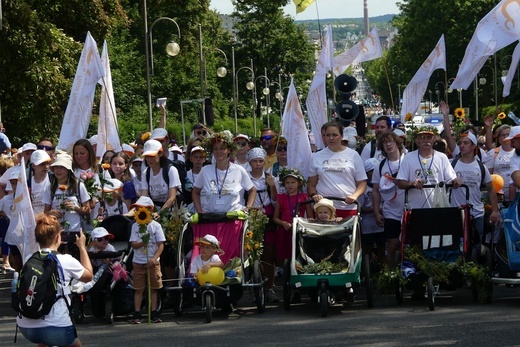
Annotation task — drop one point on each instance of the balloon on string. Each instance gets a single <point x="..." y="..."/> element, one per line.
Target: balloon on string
<point x="215" y="276"/>
<point x="497" y="181"/>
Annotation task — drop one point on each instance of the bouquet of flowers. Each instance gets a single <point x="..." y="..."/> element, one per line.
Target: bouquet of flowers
<point x="65" y="189"/>
<point x="172" y="223"/>
<point x="89" y="180"/>
<point x="254" y="239"/>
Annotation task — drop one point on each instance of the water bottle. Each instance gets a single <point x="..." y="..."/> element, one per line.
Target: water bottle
<point x="14" y="283"/>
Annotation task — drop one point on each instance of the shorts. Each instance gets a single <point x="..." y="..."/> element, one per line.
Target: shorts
<point x="51" y="336"/>
<point x="370" y="240"/>
<point x="140" y="276"/>
<point x="392" y="228"/>
<point x="13" y="250"/>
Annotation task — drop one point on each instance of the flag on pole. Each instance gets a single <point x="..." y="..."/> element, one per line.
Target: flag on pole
<point x="416" y="88"/>
<point x="296" y="133"/>
<point x="367" y="49"/>
<point x="301" y="5"/>
<point x="79" y="109"/>
<point x="317" y="98"/>
<point x="499" y="28"/>
<point x="21" y="227"/>
<point x="108" y="133"/>
<point x="511" y="72"/>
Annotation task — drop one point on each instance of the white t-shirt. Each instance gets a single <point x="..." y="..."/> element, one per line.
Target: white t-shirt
<point x="365" y="153"/>
<point x="501" y="165"/>
<point x="72" y="217"/>
<point x="4" y="179"/>
<point x="114" y="209"/>
<point x="262" y="191"/>
<point x="59" y="314"/>
<point x="471" y="175"/>
<point x="171" y="156"/>
<point x="393" y="208"/>
<point x="157" y="189"/>
<point x="6" y="204"/>
<point x="486" y="159"/>
<point x="197" y="263"/>
<point x="156" y="235"/>
<point x="223" y="190"/>
<point x="137" y="185"/>
<point x="337" y="174"/>
<point x="432" y="171"/>
<point x="37" y="192"/>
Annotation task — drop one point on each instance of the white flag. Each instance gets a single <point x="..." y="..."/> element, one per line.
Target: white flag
<point x="367" y="49"/>
<point x="416" y="88"/>
<point x="79" y="109"/>
<point x="22" y="225"/>
<point x="497" y="29"/>
<point x="507" y="80"/>
<point x="108" y="133"/>
<point x="296" y="133"/>
<point x="317" y="98"/>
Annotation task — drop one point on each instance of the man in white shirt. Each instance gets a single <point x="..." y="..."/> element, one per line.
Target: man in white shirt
<point x="383" y="125"/>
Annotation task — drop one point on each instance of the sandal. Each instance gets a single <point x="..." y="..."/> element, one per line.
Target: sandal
<point x="136" y="318"/>
<point x="155" y="317"/>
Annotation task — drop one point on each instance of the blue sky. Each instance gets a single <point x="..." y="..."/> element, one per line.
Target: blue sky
<point x="326" y="8"/>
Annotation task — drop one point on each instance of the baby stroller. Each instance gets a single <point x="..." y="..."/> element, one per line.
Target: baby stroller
<point x="230" y="229"/>
<point x="108" y="297"/>
<point x="440" y="235"/>
<point x="326" y="261"/>
<point x="507" y="250"/>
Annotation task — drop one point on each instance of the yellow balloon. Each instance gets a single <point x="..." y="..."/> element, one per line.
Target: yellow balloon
<point x="215" y="276"/>
<point x="497" y="181"/>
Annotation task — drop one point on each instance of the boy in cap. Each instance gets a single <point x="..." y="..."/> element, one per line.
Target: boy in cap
<point x="208" y="257"/>
<point x="147" y="250"/>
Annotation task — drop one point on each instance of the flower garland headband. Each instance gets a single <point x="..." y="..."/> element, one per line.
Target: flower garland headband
<point x="225" y="137"/>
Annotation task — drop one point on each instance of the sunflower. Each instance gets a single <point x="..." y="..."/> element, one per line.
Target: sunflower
<point x="501" y="115"/>
<point x="143" y="216"/>
<point x="408" y="117"/>
<point x="460" y="113"/>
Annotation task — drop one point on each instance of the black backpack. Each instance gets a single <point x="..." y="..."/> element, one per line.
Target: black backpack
<point x="186" y="184"/>
<point x="482" y="170"/>
<point x="37" y="288"/>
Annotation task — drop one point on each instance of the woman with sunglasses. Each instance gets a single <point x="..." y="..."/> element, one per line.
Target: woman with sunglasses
<point x="243" y="145"/>
<point x="337" y="171"/>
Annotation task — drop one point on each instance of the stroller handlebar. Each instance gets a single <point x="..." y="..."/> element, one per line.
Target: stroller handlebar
<point x="441" y="184"/>
<point x="310" y="201"/>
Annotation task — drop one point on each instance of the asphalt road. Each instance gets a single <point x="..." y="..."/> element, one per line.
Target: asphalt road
<point x="456" y="321"/>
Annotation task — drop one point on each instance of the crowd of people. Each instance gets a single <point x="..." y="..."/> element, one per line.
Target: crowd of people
<point x="221" y="172"/>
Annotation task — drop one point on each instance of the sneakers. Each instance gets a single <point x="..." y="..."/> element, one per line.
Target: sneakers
<point x="272" y="297"/>
<point x="136" y="318"/>
<point x="155" y="317"/>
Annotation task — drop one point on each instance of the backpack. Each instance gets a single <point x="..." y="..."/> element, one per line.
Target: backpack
<point x="482" y="170"/>
<point x="186" y="184"/>
<point x="37" y="288"/>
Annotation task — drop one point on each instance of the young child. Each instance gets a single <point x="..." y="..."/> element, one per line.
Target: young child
<point x="146" y="257"/>
<point x="100" y="243"/>
<point x="112" y="203"/>
<point x="120" y="169"/>
<point x="325" y="211"/>
<point x="208" y="257"/>
<point x="137" y="163"/>
<point x="197" y="158"/>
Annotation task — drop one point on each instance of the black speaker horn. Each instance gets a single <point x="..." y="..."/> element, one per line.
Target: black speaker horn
<point x="345" y="84"/>
<point x="347" y="111"/>
<point x="208" y="111"/>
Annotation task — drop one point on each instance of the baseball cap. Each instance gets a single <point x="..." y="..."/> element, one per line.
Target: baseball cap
<point x="29" y="146"/>
<point x="93" y="140"/>
<point x="515" y="132"/>
<point x="144" y="201"/>
<point x="151" y="148"/>
<point x="39" y="156"/>
<point x="159" y="134"/>
<point x="100" y="232"/>
<point x="112" y="185"/>
<point x="197" y="148"/>
<point x="127" y="149"/>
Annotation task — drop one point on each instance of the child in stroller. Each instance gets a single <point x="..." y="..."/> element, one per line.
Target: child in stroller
<point x="325" y="211"/>
<point x="208" y="257"/>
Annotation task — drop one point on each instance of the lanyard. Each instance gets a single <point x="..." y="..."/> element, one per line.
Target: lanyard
<point x="293" y="211"/>
<point x="427" y="172"/>
<point x="220" y="187"/>
<point x="389" y="168"/>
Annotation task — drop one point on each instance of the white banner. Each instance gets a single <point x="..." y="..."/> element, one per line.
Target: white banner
<point x="499" y="28"/>
<point x="108" y="133"/>
<point x="507" y="80"/>
<point x="416" y="88"/>
<point x="367" y="49"/>
<point x="296" y="133"/>
<point x="317" y="98"/>
<point x="79" y="109"/>
<point x="22" y="225"/>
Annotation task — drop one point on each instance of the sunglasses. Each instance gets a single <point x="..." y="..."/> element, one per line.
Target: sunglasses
<point x="243" y="144"/>
<point x="282" y="149"/>
<point x="104" y="238"/>
<point x="201" y="132"/>
<point x="266" y="137"/>
<point x="47" y="148"/>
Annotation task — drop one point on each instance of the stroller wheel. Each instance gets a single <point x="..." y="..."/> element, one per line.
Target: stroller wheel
<point x="431" y="294"/>
<point x="109" y="311"/>
<point x="209" y="308"/>
<point x="287" y="285"/>
<point x="259" y="290"/>
<point x="177" y="303"/>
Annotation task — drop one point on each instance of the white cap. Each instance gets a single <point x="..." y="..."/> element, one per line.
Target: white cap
<point x="144" y="201"/>
<point x="93" y="140"/>
<point x="112" y="184"/>
<point x="350" y="131"/>
<point x="100" y="232"/>
<point x="175" y="148"/>
<point x="29" y="146"/>
<point x="515" y="132"/>
<point x="241" y="136"/>
<point x="39" y="156"/>
<point x="158" y="134"/>
<point x="151" y="147"/>
<point x="139" y="158"/>
<point x="387" y="188"/>
<point x="127" y="149"/>
<point x="198" y="148"/>
<point x="399" y="132"/>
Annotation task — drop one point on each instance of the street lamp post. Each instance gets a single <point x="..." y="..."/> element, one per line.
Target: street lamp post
<point x="437" y="90"/>
<point x="235" y="94"/>
<point x="458" y="90"/>
<point x="278" y="95"/>
<point x="265" y="91"/>
<point x="172" y="49"/>
<point x="483" y="81"/>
